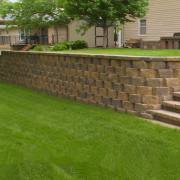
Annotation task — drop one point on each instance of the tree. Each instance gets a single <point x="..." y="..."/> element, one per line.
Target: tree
<point x="105" y="13"/>
<point x="33" y="14"/>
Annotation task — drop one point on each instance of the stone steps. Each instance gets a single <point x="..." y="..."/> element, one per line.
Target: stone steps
<point x="167" y="116"/>
<point x="173" y="106"/>
<point x="170" y="112"/>
<point x="176" y="96"/>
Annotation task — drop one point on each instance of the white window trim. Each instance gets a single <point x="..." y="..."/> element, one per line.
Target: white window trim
<point x="139" y="27"/>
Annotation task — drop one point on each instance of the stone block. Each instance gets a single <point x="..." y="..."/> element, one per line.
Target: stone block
<point x="144" y="90"/>
<point x="174" y="65"/>
<point x="106" y="101"/>
<point x="138" y="81"/>
<point x="92" y="67"/>
<point x="115" y="63"/>
<point x="102" y="92"/>
<point x="148" y="99"/>
<point x="171" y="82"/>
<point x="112" y="77"/>
<point x="99" y="83"/>
<point x="91" y="82"/>
<point x="112" y="93"/>
<point x="131" y="89"/>
<point x="108" y="84"/>
<point x="158" y="65"/>
<point x="94" y="75"/>
<point x="132" y="72"/>
<point x="148" y="73"/>
<point x="116" y="86"/>
<point x="109" y="69"/>
<point x="165" y="73"/>
<point x="103" y="76"/>
<point x="125" y="79"/>
<point x="139" y="107"/>
<point x="105" y="62"/>
<point x="128" y="105"/>
<point x="121" y="71"/>
<point x="123" y="96"/>
<point x="135" y="98"/>
<point x="94" y="89"/>
<point x="161" y="91"/>
<point x="146" y="115"/>
<point x="100" y="68"/>
<point x="155" y="82"/>
<point x="116" y="103"/>
<point x="126" y="64"/>
<point x="140" y="64"/>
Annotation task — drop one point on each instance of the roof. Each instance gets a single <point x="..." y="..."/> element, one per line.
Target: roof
<point x="9" y="26"/>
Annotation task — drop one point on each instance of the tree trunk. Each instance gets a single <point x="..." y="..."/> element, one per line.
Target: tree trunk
<point x="57" y="34"/>
<point x="105" y="37"/>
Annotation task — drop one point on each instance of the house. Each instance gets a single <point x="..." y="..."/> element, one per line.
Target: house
<point x="51" y="35"/>
<point x="160" y="28"/>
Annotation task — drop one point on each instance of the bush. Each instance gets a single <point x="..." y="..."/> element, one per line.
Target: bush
<point x="60" y="47"/>
<point x="38" y="48"/>
<point x="41" y="48"/>
<point x="79" y="44"/>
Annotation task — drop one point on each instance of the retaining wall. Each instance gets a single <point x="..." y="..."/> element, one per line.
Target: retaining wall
<point x="131" y="84"/>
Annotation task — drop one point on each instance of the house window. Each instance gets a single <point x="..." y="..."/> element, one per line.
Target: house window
<point x="143" y="26"/>
<point x="22" y="34"/>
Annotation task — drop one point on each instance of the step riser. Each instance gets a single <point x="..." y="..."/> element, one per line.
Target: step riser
<point x="172" y="109"/>
<point x="176" y="98"/>
<point x="166" y="120"/>
<point x="170" y="112"/>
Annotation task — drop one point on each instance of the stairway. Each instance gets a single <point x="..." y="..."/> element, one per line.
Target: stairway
<point x="170" y="112"/>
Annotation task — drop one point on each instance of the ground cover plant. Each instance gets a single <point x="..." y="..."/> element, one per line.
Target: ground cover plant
<point x="44" y="137"/>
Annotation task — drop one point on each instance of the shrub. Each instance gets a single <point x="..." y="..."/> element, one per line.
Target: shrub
<point x="38" y="48"/>
<point x="79" y="44"/>
<point x="41" y="48"/>
<point x="60" y="47"/>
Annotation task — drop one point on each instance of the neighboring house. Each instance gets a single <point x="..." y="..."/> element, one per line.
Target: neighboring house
<point x="4" y="34"/>
<point x="158" y="27"/>
<point x="13" y="35"/>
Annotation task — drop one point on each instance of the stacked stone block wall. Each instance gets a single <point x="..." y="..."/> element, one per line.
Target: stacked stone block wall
<point x="128" y="84"/>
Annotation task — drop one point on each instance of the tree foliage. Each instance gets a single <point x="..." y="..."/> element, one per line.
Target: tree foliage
<point x="106" y="13"/>
<point x="31" y="14"/>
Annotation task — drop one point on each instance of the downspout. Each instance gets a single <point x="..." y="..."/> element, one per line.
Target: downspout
<point x="67" y="29"/>
<point x="123" y="39"/>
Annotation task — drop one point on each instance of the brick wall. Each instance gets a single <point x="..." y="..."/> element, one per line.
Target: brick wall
<point x="131" y="84"/>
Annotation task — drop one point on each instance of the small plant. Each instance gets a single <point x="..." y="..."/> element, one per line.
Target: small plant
<point x="71" y="45"/>
<point x="79" y="44"/>
<point x="41" y="48"/>
<point x="60" y="47"/>
<point x="38" y="48"/>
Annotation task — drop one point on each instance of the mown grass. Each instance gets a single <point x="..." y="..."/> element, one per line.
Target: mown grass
<point x="46" y="138"/>
<point x="127" y="51"/>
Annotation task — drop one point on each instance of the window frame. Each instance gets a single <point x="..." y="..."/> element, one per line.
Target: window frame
<point x="140" y="26"/>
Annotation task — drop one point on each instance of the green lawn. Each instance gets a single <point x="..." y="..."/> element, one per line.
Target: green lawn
<point x="46" y="138"/>
<point x="126" y="51"/>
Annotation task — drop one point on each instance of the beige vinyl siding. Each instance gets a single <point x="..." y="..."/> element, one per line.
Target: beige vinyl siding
<point x="163" y="19"/>
<point x="60" y="37"/>
<point x="9" y="32"/>
<point x="14" y="33"/>
<point x="89" y="36"/>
